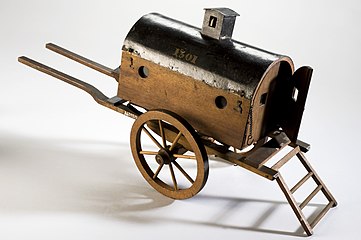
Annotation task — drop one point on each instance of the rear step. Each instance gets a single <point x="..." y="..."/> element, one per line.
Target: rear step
<point x="262" y="154"/>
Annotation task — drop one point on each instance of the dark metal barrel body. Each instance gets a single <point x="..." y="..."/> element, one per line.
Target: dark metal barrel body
<point x="214" y="84"/>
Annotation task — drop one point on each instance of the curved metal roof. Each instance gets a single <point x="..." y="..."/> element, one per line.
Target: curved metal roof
<point x="229" y="65"/>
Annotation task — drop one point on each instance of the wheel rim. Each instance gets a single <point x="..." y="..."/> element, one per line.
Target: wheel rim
<point x="159" y="142"/>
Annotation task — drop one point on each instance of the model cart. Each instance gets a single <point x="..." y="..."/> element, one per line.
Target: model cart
<point x="197" y="92"/>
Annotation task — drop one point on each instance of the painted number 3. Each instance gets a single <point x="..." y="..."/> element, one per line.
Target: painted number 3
<point x="184" y="55"/>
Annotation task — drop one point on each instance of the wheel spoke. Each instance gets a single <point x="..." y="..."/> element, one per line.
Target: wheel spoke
<point x="161" y="129"/>
<point x="148" y="153"/>
<point x="184" y="172"/>
<point x="151" y="137"/>
<point x="184" y="156"/>
<point x="158" y="171"/>
<point x="173" y="177"/>
<point x="175" y="141"/>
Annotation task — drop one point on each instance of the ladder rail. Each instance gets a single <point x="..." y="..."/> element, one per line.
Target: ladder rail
<point x="322" y="214"/>
<point x="293" y="203"/>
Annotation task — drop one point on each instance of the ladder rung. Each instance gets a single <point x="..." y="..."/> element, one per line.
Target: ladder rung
<point x="322" y="213"/>
<point x="302" y="181"/>
<point x="308" y="199"/>
<point x="286" y="158"/>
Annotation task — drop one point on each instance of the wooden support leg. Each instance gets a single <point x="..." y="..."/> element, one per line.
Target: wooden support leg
<point x="292" y="201"/>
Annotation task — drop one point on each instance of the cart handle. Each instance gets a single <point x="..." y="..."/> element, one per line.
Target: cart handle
<point x="84" y="61"/>
<point x="114" y="103"/>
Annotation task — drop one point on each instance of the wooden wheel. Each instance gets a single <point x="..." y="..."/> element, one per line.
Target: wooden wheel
<point x="169" y="154"/>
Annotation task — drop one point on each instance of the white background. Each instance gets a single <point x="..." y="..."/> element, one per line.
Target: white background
<point x="66" y="171"/>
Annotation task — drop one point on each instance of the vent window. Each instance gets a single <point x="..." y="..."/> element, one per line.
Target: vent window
<point x="212" y="22"/>
<point x="221" y="102"/>
<point x="143" y="72"/>
<point x="295" y="94"/>
<point x="263" y="99"/>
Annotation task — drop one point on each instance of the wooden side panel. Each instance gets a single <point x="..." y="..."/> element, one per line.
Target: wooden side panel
<point x="192" y="99"/>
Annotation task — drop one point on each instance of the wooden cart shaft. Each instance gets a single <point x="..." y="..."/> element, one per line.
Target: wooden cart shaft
<point x="114" y="103"/>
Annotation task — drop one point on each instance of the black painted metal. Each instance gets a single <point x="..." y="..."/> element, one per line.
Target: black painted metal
<point x="240" y="65"/>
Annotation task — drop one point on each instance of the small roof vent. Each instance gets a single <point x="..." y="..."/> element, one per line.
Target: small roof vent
<point x="218" y="23"/>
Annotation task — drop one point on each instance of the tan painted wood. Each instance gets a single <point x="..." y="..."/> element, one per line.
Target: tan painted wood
<point x="189" y="98"/>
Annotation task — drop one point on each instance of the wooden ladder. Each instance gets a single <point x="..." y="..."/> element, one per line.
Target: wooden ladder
<point x="265" y="150"/>
<point x="288" y="192"/>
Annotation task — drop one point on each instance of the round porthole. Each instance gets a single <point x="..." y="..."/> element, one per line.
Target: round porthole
<point x="221" y="102"/>
<point x="143" y="72"/>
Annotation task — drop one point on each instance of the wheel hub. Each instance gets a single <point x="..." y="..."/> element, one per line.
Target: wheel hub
<point x="164" y="157"/>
